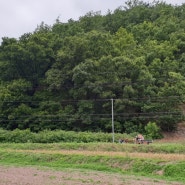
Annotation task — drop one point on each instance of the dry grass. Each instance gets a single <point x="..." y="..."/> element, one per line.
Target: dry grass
<point x="163" y="156"/>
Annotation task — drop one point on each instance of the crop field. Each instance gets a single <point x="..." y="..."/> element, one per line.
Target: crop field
<point x="92" y="163"/>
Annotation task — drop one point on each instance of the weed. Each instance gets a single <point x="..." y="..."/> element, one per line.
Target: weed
<point x="52" y="177"/>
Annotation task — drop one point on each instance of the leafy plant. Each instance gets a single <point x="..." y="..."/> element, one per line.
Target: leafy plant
<point x="153" y="131"/>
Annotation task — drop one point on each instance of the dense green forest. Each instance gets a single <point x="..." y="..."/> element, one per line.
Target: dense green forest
<point x="66" y="76"/>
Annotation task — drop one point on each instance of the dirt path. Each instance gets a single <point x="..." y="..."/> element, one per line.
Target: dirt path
<point x="44" y="176"/>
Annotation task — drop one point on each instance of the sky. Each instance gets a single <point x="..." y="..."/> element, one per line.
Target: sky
<point x="23" y="16"/>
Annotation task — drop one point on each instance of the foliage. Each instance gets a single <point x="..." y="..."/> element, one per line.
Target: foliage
<point x="47" y="136"/>
<point x="153" y="131"/>
<point x="175" y="170"/>
<point x="63" y="77"/>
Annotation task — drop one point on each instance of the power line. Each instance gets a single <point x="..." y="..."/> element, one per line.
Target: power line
<point x="102" y="114"/>
<point x="93" y="119"/>
<point x="147" y="99"/>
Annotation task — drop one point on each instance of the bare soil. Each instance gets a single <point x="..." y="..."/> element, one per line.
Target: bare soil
<point x="177" y="136"/>
<point x="44" y="176"/>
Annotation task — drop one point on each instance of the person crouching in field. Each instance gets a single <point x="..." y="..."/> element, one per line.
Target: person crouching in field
<point x="139" y="138"/>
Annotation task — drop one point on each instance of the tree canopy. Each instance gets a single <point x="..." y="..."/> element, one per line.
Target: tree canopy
<point x="64" y="76"/>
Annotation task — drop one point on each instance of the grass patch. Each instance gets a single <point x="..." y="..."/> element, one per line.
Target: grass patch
<point x="148" y="167"/>
<point x="167" y="148"/>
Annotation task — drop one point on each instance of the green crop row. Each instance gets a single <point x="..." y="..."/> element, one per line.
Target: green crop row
<point x="47" y="136"/>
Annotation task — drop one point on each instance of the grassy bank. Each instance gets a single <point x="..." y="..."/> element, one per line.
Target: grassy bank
<point x="156" y="147"/>
<point x="108" y="157"/>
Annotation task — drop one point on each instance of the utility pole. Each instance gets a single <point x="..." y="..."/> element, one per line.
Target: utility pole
<point x="112" y="101"/>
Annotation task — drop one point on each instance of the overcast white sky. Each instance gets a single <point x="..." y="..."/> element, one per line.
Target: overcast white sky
<point x="22" y="16"/>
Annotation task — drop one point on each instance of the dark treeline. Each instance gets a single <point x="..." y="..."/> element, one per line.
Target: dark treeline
<point x="64" y="76"/>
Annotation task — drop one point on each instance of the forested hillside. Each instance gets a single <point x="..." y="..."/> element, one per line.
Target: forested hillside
<point x="65" y="76"/>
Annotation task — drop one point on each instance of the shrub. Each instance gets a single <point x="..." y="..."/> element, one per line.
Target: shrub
<point x="153" y="131"/>
<point x="48" y="136"/>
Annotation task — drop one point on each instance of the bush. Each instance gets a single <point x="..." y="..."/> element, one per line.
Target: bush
<point x="48" y="136"/>
<point x="153" y="131"/>
<point x="130" y="127"/>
